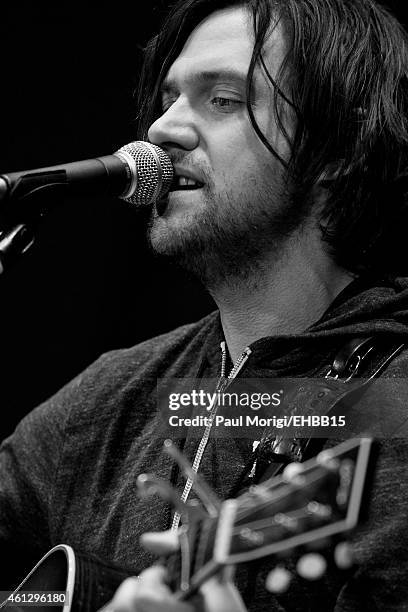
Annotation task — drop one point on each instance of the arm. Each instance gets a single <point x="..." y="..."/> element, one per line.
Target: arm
<point x="28" y="461"/>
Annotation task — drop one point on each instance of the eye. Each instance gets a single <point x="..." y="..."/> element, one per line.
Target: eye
<point x="167" y="101"/>
<point x="225" y="103"/>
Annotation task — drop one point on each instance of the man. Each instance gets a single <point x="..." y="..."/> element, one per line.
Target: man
<point x="286" y="123"/>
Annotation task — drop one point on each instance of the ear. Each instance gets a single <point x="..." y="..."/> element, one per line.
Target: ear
<point x="323" y="184"/>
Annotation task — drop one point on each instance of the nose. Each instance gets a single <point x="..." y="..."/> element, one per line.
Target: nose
<point x="176" y="128"/>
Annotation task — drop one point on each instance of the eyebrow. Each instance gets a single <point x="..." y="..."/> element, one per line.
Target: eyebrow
<point x="205" y="77"/>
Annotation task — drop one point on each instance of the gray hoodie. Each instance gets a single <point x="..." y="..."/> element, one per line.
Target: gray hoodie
<point x="68" y="473"/>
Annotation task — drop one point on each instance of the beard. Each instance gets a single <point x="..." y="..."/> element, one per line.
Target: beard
<point x="232" y="236"/>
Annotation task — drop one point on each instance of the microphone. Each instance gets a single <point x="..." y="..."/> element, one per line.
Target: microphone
<point x="139" y="173"/>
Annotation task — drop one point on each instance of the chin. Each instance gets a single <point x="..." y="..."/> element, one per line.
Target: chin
<point x="168" y="236"/>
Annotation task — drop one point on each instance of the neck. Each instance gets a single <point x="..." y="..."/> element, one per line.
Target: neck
<point x="285" y="296"/>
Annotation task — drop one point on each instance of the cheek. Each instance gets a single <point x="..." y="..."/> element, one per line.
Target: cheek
<point x="267" y="122"/>
<point x="234" y="153"/>
<point x="238" y="159"/>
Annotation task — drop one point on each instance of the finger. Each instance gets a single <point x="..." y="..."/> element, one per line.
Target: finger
<point x="154" y="579"/>
<point x="149" y="584"/>
<point x="124" y="597"/>
<point x="154" y="595"/>
<point x="147" y="593"/>
<point x="145" y="603"/>
<point x="221" y="596"/>
<point x="160" y="543"/>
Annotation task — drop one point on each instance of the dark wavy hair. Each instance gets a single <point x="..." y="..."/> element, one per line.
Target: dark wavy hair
<point x="345" y="75"/>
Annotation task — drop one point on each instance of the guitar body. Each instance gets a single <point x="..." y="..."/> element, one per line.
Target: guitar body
<point x="54" y="572"/>
<point x="88" y="582"/>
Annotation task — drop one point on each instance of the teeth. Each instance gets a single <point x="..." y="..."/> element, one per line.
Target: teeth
<point x="183" y="181"/>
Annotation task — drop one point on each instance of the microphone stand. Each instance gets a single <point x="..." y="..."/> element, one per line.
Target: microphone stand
<point x="18" y="237"/>
<point x="13" y="243"/>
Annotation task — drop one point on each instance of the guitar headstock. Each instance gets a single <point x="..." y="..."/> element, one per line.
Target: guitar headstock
<point x="310" y="503"/>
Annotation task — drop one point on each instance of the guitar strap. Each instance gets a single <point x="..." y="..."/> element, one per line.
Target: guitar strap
<point x="353" y="369"/>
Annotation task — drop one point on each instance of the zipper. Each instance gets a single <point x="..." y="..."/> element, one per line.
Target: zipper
<point x="222" y="384"/>
<point x="239" y="364"/>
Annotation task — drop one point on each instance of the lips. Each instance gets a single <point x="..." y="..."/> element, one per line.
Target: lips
<point x="185" y="181"/>
<point x="181" y="182"/>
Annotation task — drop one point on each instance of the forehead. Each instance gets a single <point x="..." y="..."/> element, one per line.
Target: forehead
<point x="225" y="41"/>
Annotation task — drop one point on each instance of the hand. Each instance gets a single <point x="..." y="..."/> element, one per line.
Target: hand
<point x="150" y="593"/>
<point x="146" y="593"/>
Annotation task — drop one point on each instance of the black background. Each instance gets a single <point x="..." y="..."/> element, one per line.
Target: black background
<point x="68" y="72"/>
<point x="89" y="284"/>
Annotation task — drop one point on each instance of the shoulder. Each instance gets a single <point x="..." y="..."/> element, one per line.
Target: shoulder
<point x="168" y="354"/>
<point x="120" y="385"/>
<point x="127" y="375"/>
<point x="153" y="357"/>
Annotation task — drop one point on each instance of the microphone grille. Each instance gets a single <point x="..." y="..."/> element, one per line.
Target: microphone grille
<point x="151" y="170"/>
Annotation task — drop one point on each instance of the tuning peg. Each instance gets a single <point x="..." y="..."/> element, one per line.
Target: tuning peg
<point x="328" y="460"/>
<point x="343" y="556"/>
<point x="278" y="580"/>
<point x="323" y="511"/>
<point x="311" y="566"/>
<point x="292" y="471"/>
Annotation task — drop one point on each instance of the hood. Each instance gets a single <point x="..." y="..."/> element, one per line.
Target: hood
<point x="367" y="307"/>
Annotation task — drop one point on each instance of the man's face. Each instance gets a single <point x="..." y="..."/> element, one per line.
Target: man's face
<point x="229" y="208"/>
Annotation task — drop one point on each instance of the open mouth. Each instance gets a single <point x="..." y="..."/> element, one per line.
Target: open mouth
<point x="184" y="183"/>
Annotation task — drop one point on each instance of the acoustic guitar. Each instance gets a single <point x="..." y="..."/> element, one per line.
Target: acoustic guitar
<point x="311" y="505"/>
